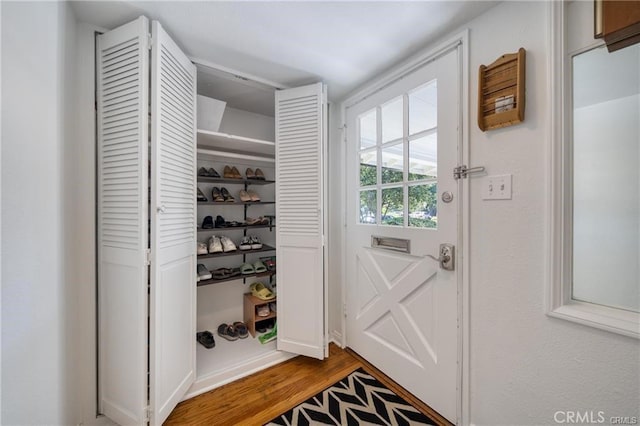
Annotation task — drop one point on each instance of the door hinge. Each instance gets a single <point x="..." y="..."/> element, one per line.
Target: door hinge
<point x="149" y="41"/>
<point x="463" y="171"/>
<point x="147" y="414"/>
<point x="147" y="257"/>
<point x="344" y="309"/>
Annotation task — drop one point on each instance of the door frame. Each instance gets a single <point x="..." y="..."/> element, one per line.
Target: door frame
<point x="461" y="41"/>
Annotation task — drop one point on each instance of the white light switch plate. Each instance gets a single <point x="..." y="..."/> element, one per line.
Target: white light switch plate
<point x="497" y="188"/>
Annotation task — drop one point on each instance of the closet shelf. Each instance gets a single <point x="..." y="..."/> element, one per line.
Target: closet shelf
<point x="232" y="144"/>
<point x="237" y="277"/>
<point x="235" y="203"/>
<point x="238" y="252"/>
<point x="205" y="179"/>
<point x="233" y="228"/>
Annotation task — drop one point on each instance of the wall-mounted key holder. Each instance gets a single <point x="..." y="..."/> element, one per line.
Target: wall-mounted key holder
<point x="501" y="91"/>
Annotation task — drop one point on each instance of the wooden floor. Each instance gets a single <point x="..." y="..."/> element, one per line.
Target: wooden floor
<point x="258" y="398"/>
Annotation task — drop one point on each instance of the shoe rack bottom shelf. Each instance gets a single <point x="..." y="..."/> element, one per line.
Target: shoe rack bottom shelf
<point x="250" y="316"/>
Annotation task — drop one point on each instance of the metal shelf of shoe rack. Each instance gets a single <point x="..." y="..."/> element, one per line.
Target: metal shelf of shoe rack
<point x="237" y="277"/>
<point x="233" y="228"/>
<point x="246" y="204"/>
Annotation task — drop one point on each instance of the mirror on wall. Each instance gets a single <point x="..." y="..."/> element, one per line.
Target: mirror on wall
<point x="606" y="177"/>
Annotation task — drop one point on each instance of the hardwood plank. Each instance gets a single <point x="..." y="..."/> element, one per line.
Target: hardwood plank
<point x="256" y="399"/>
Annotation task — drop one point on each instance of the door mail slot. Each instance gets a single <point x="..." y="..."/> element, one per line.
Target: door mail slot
<point x="390" y="243"/>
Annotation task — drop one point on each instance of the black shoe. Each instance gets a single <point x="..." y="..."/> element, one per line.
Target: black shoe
<point x="203" y="172"/>
<point x="207" y="223"/>
<point x="220" y="222"/>
<point x="205" y="338"/>
<point x="201" y="196"/>
<point x="212" y="173"/>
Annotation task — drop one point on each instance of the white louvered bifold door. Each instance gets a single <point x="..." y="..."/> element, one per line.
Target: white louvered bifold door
<point x="300" y="176"/>
<point x="173" y="219"/>
<point x="122" y="68"/>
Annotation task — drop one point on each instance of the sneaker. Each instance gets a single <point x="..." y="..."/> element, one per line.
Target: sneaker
<point x="255" y="242"/>
<point x="202" y="248"/>
<point x="227" y="244"/>
<point x="245" y="244"/>
<point x="215" y="245"/>
<point x="201" y="196"/>
<point x="203" y="272"/>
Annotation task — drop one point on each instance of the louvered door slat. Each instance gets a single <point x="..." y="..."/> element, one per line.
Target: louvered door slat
<point x="300" y="153"/>
<point x="122" y="115"/>
<point x="173" y="232"/>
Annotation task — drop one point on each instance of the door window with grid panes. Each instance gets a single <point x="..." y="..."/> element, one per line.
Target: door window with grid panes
<point x="398" y="160"/>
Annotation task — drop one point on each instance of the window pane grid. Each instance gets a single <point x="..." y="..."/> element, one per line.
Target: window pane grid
<point x="404" y="159"/>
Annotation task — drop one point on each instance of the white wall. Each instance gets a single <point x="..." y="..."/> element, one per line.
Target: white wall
<point x="525" y="366"/>
<point x="38" y="304"/>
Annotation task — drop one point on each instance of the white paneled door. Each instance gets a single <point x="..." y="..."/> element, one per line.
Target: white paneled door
<point x="402" y="204"/>
<point x="146" y="223"/>
<point x="172" y="329"/>
<point x="300" y="195"/>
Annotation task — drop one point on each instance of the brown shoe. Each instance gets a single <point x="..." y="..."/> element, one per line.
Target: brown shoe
<point x="227" y="173"/>
<point x="244" y="196"/>
<point x="236" y="173"/>
<point x="259" y="174"/>
<point x="250" y="174"/>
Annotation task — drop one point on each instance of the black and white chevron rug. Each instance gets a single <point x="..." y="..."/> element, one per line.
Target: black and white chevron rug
<point x="358" y="399"/>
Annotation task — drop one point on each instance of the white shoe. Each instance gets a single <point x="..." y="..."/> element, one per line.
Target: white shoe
<point x="202" y="248"/>
<point x="245" y="244"/>
<point x="227" y="244"/>
<point x="203" y="272"/>
<point x="215" y="246"/>
<point x="255" y="242"/>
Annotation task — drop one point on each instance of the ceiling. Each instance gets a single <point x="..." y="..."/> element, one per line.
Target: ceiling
<point x="292" y="43"/>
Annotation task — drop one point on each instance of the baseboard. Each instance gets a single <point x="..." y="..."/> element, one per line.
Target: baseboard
<point x="336" y="338"/>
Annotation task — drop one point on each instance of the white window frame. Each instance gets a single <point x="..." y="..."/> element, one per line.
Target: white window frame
<point x="559" y="233"/>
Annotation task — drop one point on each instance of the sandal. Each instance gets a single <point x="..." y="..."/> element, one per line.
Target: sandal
<point x="247" y="269"/>
<point x="227" y="331"/>
<point x="242" y="329"/>
<point x="259" y="267"/>
<point x="205" y="338"/>
<point x="221" y="273"/>
<point x="261" y="292"/>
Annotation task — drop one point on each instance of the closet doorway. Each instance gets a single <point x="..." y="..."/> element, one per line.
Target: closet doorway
<point x="403" y="211"/>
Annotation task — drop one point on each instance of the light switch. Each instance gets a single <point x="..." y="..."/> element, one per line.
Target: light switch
<point x="497" y="188"/>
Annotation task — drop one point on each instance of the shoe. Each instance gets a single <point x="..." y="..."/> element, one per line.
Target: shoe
<point x="269" y="262"/>
<point x="259" y="267"/>
<point x="220" y="222"/>
<point x="244" y="196"/>
<point x="202" y="248"/>
<point x="259" y="174"/>
<point x="263" y="311"/>
<point x="253" y="195"/>
<point x="216" y="195"/>
<point x="247" y="269"/>
<point x="236" y="173"/>
<point x="255" y="242"/>
<point x="227" y="244"/>
<point x="227" y="196"/>
<point x="221" y="273"/>
<point x="250" y="174"/>
<point x="242" y="329"/>
<point x="207" y="223"/>
<point x="203" y="172"/>
<point x="227" y="331"/>
<point x="261" y="327"/>
<point x="215" y="245"/>
<point x="212" y="173"/>
<point x="205" y="338"/>
<point x="201" y="196"/>
<point x="227" y="173"/>
<point x="203" y="272"/>
<point x="245" y="244"/>
<point x="270" y="324"/>
<point x="260" y="291"/>
<point x="272" y="307"/>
